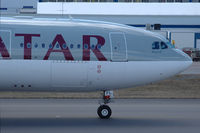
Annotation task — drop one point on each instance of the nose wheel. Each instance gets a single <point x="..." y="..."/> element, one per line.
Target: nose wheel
<point x="104" y="111"/>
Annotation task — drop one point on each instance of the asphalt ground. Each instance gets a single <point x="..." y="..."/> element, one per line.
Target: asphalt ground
<point x="79" y="116"/>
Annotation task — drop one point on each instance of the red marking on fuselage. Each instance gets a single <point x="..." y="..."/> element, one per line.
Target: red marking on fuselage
<point x="99" y="66"/>
<point x="96" y="51"/>
<point x="66" y="51"/>
<point x="98" y="71"/>
<point x="27" y="39"/>
<point x="3" y="50"/>
<point x="60" y="40"/>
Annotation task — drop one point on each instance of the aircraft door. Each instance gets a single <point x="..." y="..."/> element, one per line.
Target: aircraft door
<point x="66" y="74"/>
<point x="5" y="43"/>
<point x="118" y="46"/>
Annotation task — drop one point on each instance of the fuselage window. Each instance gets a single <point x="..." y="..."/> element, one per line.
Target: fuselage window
<point x="50" y="45"/>
<point x="163" y="45"/>
<point x="93" y="47"/>
<point x="36" y="45"/>
<point x="64" y="46"/>
<point x="85" y="46"/>
<point x="99" y="46"/>
<point x="21" y="45"/>
<point x="71" y="46"/>
<point x="28" y="45"/>
<point x="78" y="46"/>
<point x="57" y="45"/>
<point x="156" y="45"/>
<point x="43" y="45"/>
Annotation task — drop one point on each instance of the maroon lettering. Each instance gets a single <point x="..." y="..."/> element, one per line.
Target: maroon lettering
<point x="65" y="51"/>
<point x="96" y="51"/>
<point x="3" y="50"/>
<point x="27" y="40"/>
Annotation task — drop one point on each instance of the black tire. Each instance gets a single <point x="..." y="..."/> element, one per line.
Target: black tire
<point x="104" y="112"/>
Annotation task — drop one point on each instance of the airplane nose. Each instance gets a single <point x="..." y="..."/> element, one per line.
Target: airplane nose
<point x="184" y="55"/>
<point x="186" y="61"/>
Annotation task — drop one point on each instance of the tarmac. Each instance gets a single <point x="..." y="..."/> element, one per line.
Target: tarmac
<point x="79" y="116"/>
<point x="129" y="115"/>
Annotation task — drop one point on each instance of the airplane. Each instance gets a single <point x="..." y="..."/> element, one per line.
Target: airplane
<point x="58" y="54"/>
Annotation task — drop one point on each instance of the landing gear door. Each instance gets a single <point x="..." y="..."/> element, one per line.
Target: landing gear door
<point x="118" y="47"/>
<point x="5" y="44"/>
<point x="66" y="74"/>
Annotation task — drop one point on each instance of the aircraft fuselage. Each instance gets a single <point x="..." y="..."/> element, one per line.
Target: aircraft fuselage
<point x="77" y="55"/>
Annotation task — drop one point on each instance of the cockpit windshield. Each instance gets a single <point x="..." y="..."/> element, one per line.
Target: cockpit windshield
<point x="161" y="45"/>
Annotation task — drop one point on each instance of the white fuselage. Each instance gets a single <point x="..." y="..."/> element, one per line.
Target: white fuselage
<point x="82" y="75"/>
<point x="36" y="56"/>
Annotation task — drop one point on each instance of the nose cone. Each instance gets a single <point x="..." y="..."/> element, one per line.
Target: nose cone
<point x="186" y="61"/>
<point x="184" y="56"/>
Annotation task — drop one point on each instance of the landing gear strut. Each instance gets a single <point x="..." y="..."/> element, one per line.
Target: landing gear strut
<point x="104" y="110"/>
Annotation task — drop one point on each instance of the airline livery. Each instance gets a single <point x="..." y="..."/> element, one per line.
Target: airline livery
<point x="46" y="54"/>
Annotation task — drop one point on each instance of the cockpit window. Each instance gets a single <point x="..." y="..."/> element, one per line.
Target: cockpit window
<point x="163" y="45"/>
<point x="155" y="45"/>
<point x="160" y="45"/>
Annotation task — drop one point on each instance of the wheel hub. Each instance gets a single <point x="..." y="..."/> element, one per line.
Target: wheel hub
<point x="104" y="112"/>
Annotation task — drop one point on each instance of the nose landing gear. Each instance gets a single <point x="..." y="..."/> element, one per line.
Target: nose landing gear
<point x="104" y="111"/>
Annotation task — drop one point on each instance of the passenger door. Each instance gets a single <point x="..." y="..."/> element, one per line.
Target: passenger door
<point x="118" y="47"/>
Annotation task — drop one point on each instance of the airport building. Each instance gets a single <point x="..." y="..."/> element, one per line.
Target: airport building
<point x="179" y="22"/>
